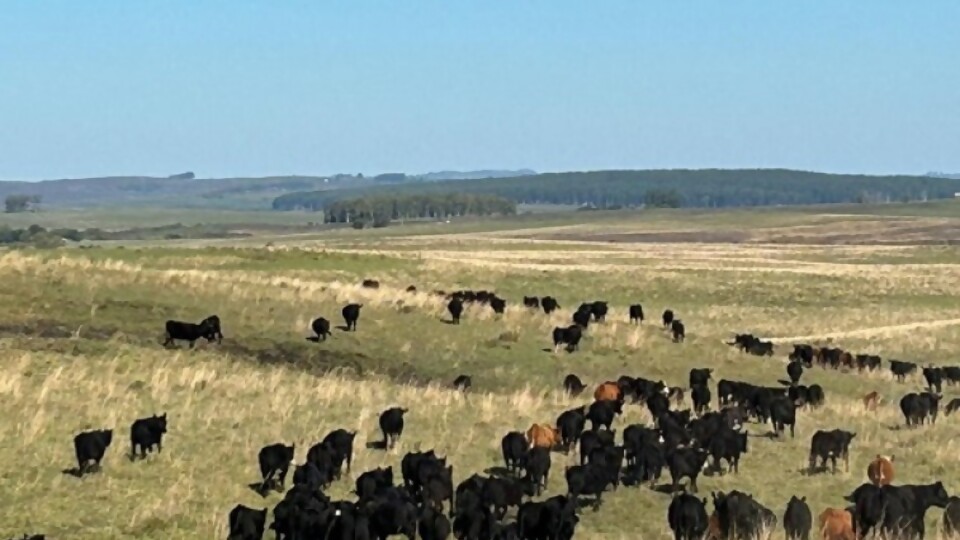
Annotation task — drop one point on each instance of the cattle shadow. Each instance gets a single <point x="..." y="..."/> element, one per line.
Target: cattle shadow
<point x="343" y="328"/>
<point x="448" y="321"/>
<point x="500" y="472"/>
<point x="377" y="445"/>
<point x="260" y="488"/>
<point x="313" y="339"/>
<point x="72" y="471"/>
<point x="667" y="489"/>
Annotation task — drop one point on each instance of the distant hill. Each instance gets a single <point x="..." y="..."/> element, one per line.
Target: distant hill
<point x="474" y="175"/>
<point x="674" y="187"/>
<point x="952" y="176"/>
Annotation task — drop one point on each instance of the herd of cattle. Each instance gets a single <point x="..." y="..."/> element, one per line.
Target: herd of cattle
<point x="683" y="442"/>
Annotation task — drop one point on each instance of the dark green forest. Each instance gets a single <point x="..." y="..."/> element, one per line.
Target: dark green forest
<point x="680" y="187"/>
<point x="379" y="210"/>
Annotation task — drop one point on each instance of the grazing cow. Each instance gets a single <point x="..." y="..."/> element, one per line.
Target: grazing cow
<point x="573" y="385"/>
<point x="931" y="405"/>
<point x="951" y="518"/>
<point x="934" y="378"/>
<point x="783" y="412"/>
<point x="701" y="398"/>
<point x="741" y="516"/>
<point x="831" y="445"/>
<point x="570" y="336"/>
<point x="902" y="369"/>
<point x="498" y="305"/>
<point x="678" y="330"/>
<point x="599" y="310"/>
<point x="794" y="371"/>
<point x="896" y="510"/>
<point x="590" y="441"/>
<point x="802" y="353"/>
<point x="370" y="284"/>
<point x="700" y="376"/>
<point x="571" y="423"/>
<point x="761" y="348"/>
<point x="582" y="318"/>
<point x="667" y="318"/>
<point x="815" y="395"/>
<point x="274" y="462"/>
<point x="687" y="516"/>
<point x="309" y="476"/>
<point x="951" y="374"/>
<point x="416" y="465"/>
<point x="91" y="446"/>
<point x="370" y="484"/>
<point x="799" y="394"/>
<point x="514" y="446"/>
<point x="836" y="524"/>
<point x="872" y="400"/>
<point x="433" y="525"/>
<point x="658" y="404"/>
<point x="208" y="328"/>
<point x="953" y="406"/>
<point x="340" y="443"/>
<point x="549" y="304"/>
<point x="531" y="302"/>
<point x="537" y="464"/>
<point x="880" y="471"/>
<point x="543" y="436"/>
<point x="602" y="413"/>
<point x="147" y="433"/>
<point x="729" y="445"/>
<point x="351" y="313"/>
<point x="247" y="523"/>
<point x="686" y="463"/>
<point x="321" y="327"/>
<point x="462" y="383"/>
<point x="914" y="409"/>
<point x="501" y="493"/>
<point x="797" y="519"/>
<point x="590" y="479"/>
<point x="321" y="456"/>
<point x="391" y="424"/>
<point x="552" y="519"/>
<point x="636" y="314"/>
<point x="455" y="307"/>
<point x="608" y="391"/>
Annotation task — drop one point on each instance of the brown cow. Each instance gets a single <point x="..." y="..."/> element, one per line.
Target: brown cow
<point x="608" y="391"/>
<point x="543" y="436"/>
<point x="836" y="524"/>
<point x="846" y="360"/>
<point x="880" y="471"/>
<point x="872" y="400"/>
<point x="713" y="528"/>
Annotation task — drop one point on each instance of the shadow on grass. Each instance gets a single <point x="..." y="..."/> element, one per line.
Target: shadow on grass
<point x="377" y="445"/>
<point x="501" y="472"/>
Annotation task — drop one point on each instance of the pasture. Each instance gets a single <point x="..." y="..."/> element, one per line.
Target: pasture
<point x="80" y="331"/>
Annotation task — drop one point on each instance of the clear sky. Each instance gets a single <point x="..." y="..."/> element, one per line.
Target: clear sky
<point x="316" y="87"/>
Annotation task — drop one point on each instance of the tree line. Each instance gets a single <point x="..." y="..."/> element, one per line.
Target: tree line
<point x="379" y="210"/>
<point x="681" y="187"/>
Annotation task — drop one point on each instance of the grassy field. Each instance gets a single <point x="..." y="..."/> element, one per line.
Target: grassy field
<point x="81" y="329"/>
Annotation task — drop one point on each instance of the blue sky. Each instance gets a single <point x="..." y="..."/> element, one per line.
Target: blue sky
<point x="255" y="88"/>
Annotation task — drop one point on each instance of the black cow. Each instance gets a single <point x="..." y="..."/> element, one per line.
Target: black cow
<point x="686" y="463"/>
<point x="549" y="304"/>
<point x="340" y="442"/>
<point x="797" y="519"/>
<point x="729" y="445"/>
<point x="902" y="369"/>
<point x="591" y="440"/>
<point x="934" y="377"/>
<point x="351" y="313"/>
<point x="761" y="348"/>
<point x="896" y="509"/>
<point x="700" y="376"/>
<point x="274" y="463"/>
<point x="571" y="423"/>
<point x="531" y="302"/>
<point x="309" y="476"/>
<point x="433" y="525"/>
<point x="602" y="413"/>
<point x="412" y="288"/>
<point x="208" y="328"/>
<point x="741" y="516"/>
<point x="582" y="318"/>
<point x="701" y="398"/>
<point x="636" y="314"/>
<point x="931" y="403"/>
<point x="795" y="371"/>
<point x="91" y="446"/>
<point x="667" y="318"/>
<point x="147" y="433"/>
<point x="498" y="304"/>
<point x="815" y="395"/>
<point x="414" y="465"/>
<point x="552" y="519"/>
<point x="573" y="385"/>
<point x="537" y="464"/>
<point x="678" y="330"/>
<point x="953" y="406"/>
<point x="951" y="374"/>
<point x="570" y="336"/>
<point x="799" y="395"/>
<point x="514" y="446"/>
<point x="462" y="383"/>
<point x="374" y="483"/>
<point x="391" y="424"/>
<point x="951" y="517"/>
<point x="455" y="307"/>
<point x="590" y="479"/>
<point x="802" y="353"/>
<point x="321" y="456"/>
<point x="370" y="284"/>
<point x="687" y="516"/>
<point x="321" y="327"/>
<point x="914" y="410"/>
<point x="599" y="310"/>
<point x="658" y="404"/>
<point x="783" y="412"/>
<point x="247" y="523"/>
<point x="502" y="493"/>
<point x="831" y="445"/>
